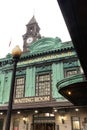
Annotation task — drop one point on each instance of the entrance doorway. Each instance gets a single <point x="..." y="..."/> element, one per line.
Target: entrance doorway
<point x="44" y="121"/>
<point x="44" y="126"/>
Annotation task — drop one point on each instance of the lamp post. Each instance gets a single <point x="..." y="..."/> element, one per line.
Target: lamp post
<point x="16" y="53"/>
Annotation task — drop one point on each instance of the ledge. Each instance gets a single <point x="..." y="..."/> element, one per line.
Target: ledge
<point x="74" y="89"/>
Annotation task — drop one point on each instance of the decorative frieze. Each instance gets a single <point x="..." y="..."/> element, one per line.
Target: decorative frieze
<point x="48" y="57"/>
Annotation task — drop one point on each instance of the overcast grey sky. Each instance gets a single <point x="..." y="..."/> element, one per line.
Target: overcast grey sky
<point x="15" y="14"/>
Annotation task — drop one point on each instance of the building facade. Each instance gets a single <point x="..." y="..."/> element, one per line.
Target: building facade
<point x="43" y="65"/>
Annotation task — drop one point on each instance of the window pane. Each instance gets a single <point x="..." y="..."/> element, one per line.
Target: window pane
<point x="43" y="84"/>
<point x="70" y="72"/>
<point x="19" y="87"/>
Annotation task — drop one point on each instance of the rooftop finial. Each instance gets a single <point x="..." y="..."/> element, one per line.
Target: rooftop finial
<point x="33" y="12"/>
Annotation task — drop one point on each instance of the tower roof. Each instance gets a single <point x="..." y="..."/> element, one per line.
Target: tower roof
<point x="33" y="20"/>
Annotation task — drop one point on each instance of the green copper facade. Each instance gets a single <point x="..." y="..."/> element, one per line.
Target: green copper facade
<point x="45" y="55"/>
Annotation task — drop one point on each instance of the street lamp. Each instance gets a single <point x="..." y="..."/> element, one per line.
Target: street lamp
<point x="16" y="53"/>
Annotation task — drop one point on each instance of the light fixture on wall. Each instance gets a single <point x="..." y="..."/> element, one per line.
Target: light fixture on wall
<point x="62" y="119"/>
<point x="25" y="119"/>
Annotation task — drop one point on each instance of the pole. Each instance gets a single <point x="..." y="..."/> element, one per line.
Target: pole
<point x="9" y="111"/>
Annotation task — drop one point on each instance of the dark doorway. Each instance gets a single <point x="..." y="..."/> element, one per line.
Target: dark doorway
<point x="1" y="124"/>
<point x="44" y="126"/>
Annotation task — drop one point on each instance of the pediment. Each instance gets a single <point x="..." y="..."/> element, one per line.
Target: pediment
<point x="45" y="45"/>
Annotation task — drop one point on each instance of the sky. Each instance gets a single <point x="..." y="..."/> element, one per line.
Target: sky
<point x="15" y="14"/>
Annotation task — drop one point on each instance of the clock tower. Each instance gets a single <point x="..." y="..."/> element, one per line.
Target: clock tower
<point x="32" y="34"/>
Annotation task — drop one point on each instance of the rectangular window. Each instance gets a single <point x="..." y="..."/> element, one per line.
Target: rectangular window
<point x="19" y="87"/>
<point x="75" y="123"/>
<point x="72" y="71"/>
<point x="43" y="84"/>
<point x="72" y="67"/>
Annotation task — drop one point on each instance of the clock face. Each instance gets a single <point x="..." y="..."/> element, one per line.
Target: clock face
<point x="29" y="40"/>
